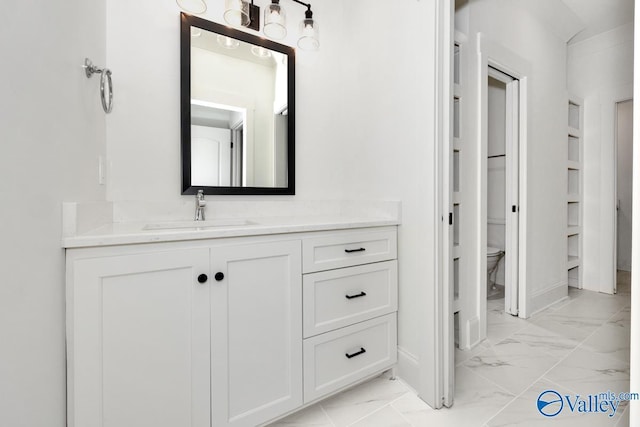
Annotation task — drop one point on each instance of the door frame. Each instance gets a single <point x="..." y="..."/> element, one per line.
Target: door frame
<point x="615" y="188"/>
<point x="494" y="55"/>
<point x="512" y="149"/>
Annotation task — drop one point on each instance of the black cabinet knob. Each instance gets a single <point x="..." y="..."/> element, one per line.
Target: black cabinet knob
<point x="202" y="278"/>
<point x="219" y="276"/>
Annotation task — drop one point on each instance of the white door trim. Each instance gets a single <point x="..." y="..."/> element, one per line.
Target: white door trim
<point x="497" y="56"/>
<point x="437" y="365"/>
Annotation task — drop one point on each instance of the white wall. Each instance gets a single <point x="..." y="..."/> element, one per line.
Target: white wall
<point x="520" y="31"/>
<point x="600" y="70"/>
<point x="52" y="131"/>
<point x="364" y="120"/>
<point x="624" y="132"/>
<point x="634" y="384"/>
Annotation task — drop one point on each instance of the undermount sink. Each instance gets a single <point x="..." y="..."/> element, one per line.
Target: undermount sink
<point x="214" y="223"/>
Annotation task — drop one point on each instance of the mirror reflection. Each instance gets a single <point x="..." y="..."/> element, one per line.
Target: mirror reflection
<point x="239" y="113"/>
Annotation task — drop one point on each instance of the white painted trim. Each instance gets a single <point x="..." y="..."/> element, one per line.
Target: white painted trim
<point x="634" y="408"/>
<point x="608" y="121"/>
<point x="545" y="298"/>
<point x="444" y="353"/>
<point x="507" y="61"/>
<point x="408" y="369"/>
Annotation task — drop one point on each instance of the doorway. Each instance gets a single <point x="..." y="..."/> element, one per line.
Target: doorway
<point x="624" y="177"/>
<point x="502" y="192"/>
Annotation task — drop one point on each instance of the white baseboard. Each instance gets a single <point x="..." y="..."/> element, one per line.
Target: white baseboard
<point x="408" y="368"/>
<point x="547" y="297"/>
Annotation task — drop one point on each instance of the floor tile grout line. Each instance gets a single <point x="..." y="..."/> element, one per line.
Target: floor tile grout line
<point x="403" y="416"/>
<point x="327" y="414"/>
<point x="516" y="397"/>
<point x="368" y="415"/>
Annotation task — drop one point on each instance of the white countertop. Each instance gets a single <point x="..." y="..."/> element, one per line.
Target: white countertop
<point x="134" y="232"/>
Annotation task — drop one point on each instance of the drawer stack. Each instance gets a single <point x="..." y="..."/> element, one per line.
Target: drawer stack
<point x="350" y="302"/>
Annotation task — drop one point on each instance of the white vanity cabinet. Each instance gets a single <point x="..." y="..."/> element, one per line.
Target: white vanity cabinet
<point x="168" y="335"/>
<point x="229" y="331"/>
<point x="350" y="294"/>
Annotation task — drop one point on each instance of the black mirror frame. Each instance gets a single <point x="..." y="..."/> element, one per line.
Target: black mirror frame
<point x="186" y="22"/>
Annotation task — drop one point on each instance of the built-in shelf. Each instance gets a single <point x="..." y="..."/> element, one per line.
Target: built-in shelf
<point x="456" y="144"/>
<point x="456" y="252"/>
<point x="456" y="197"/>
<point x="456" y="90"/>
<point x="456" y="305"/>
<point x="572" y="231"/>
<point x="575" y="122"/>
<point x="456" y="117"/>
<point x="574" y="277"/>
<point x="573" y="165"/>
<point x="573" y="262"/>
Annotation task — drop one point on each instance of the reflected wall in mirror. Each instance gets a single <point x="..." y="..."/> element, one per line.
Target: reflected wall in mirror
<point x="237" y="111"/>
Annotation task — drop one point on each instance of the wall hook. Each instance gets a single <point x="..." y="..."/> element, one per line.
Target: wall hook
<point x="106" y="84"/>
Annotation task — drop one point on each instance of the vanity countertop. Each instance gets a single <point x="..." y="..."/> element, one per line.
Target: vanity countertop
<point x="123" y="233"/>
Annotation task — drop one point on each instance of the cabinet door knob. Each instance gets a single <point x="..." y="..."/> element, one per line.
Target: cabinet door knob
<point x="202" y="278"/>
<point x="219" y="276"/>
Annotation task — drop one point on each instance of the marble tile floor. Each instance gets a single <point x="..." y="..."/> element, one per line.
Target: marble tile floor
<point x="579" y="346"/>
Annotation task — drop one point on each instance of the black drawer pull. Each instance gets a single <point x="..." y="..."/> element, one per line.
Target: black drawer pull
<point x="357" y="353"/>
<point x="202" y="278"/>
<point x="361" y="294"/>
<point x="219" y="276"/>
<point x="350" y="251"/>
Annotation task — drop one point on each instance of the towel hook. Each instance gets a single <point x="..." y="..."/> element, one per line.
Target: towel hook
<point x="105" y="80"/>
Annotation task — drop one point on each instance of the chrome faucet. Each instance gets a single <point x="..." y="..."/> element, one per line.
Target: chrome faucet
<point x="200" y="205"/>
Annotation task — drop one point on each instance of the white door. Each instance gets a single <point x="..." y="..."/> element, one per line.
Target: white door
<point x="511" y="186"/>
<point x="210" y="156"/>
<point x="139" y="340"/>
<point x="256" y="329"/>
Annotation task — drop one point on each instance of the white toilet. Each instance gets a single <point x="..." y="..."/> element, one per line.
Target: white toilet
<point x="494" y="255"/>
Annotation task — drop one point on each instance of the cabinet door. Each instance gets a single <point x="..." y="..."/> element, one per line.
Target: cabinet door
<point x="256" y="327"/>
<point x="139" y="340"/>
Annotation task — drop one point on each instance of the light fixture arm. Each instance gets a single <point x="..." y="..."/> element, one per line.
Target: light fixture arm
<point x="308" y="13"/>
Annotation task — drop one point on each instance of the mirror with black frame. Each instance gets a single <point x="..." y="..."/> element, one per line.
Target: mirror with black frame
<point x="237" y="111"/>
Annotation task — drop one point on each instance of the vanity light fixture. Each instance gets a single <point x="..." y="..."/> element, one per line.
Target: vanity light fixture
<point x="244" y="13"/>
<point x="227" y="42"/>
<point x="192" y="6"/>
<point x="260" y="52"/>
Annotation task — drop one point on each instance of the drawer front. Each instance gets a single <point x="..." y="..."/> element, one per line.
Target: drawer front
<point x="339" y="358"/>
<point x="337" y="298"/>
<point x="348" y="248"/>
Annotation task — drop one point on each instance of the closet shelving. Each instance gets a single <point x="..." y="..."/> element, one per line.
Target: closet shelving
<point x="457" y="72"/>
<point x="574" y="191"/>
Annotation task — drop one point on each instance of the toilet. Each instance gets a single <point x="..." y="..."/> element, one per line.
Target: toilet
<point x="494" y="255"/>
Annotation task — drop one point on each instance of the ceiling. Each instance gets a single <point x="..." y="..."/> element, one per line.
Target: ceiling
<point x="598" y="16"/>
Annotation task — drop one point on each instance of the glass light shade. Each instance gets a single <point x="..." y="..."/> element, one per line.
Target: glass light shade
<point x="192" y="6"/>
<point x="260" y="52"/>
<point x="275" y="21"/>
<point x="227" y="42"/>
<point x="309" y="35"/>
<point x="236" y="13"/>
